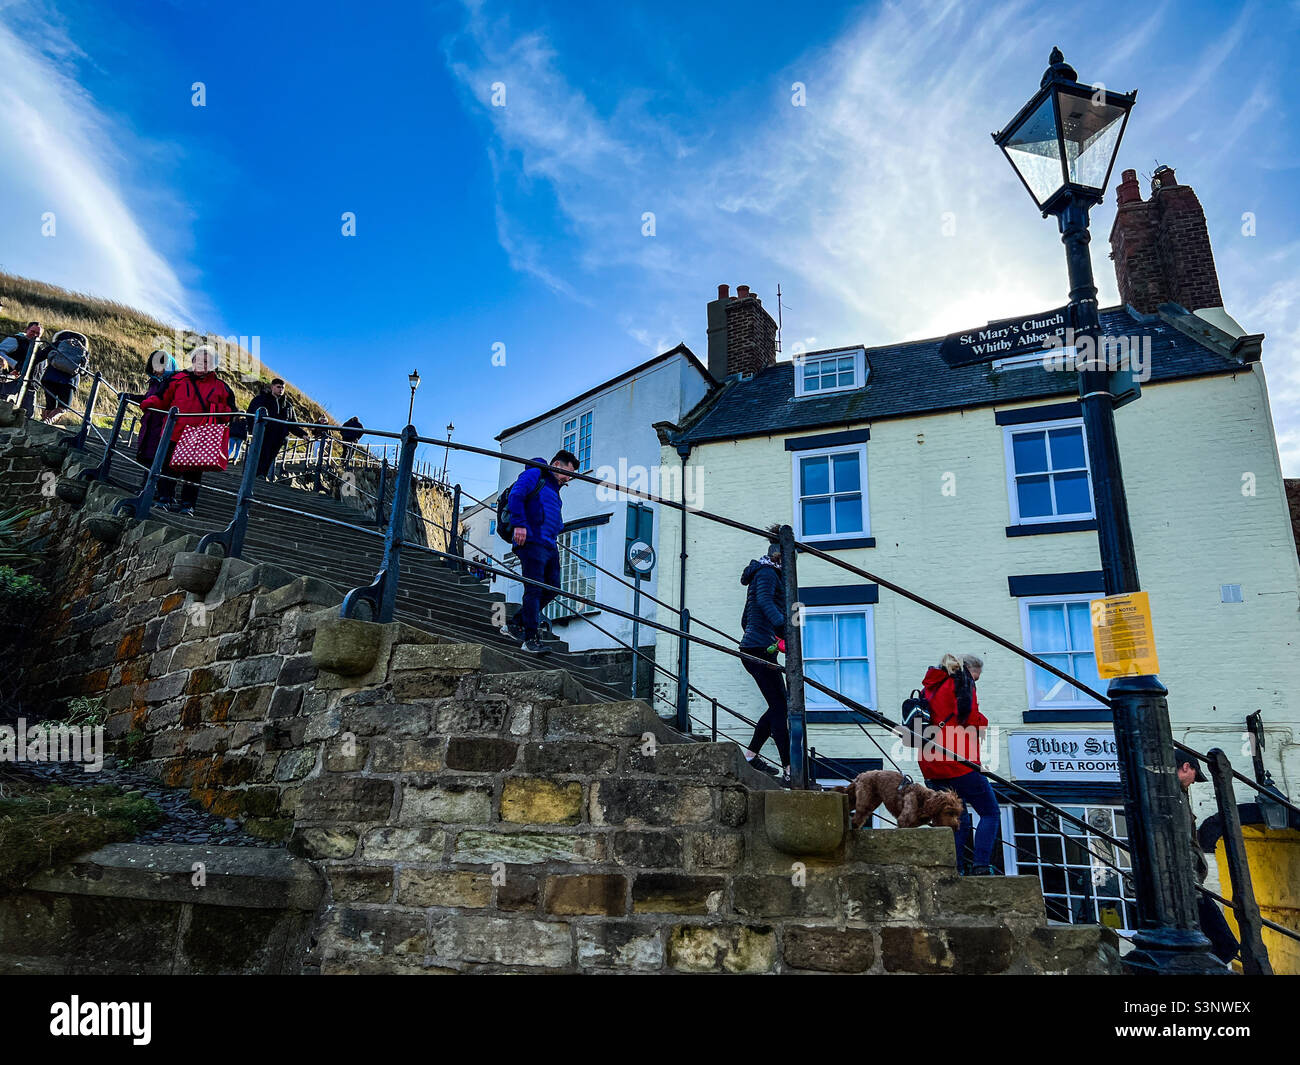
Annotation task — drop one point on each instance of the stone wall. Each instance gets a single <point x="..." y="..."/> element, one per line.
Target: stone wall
<point x="175" y="910"/>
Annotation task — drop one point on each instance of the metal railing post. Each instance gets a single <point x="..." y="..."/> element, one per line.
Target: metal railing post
<point x="379" y="496"/>
<point x="100" y="472"/>
<point x="794" y="663"/>
<point x="683" y="675"/>
<point x="713" y="727"/>
<point x="381" y="593"/>
<point x="1254" y="956"/>
<point x="231" y="538"/>
<point x="140" y="505"/>
<point x="79" y="441"/>
<point x="453" y="536"/>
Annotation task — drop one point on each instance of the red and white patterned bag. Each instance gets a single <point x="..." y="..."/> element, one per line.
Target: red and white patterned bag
<point x="202" y="447"/>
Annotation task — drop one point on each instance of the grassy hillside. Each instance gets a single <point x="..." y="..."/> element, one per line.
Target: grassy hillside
<point x="121" y="339"/>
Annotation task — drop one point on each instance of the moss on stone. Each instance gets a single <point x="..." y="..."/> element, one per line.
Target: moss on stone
<point x="44" y="825"/>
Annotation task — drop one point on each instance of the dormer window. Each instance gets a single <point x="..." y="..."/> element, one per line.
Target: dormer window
<point x="833" y="371"/>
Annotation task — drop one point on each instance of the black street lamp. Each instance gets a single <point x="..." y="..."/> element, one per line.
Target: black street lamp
<point x="1063" y="145"/>
<point x="414" y="378"/>
<point x="446" y="452"/>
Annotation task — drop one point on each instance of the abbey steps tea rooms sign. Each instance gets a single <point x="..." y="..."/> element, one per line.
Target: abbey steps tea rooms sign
<point x="1006" y="339"/>
<point x="1075" y="756"/>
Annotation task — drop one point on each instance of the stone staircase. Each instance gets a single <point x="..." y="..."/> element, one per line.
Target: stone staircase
<point x="432" y="595"/>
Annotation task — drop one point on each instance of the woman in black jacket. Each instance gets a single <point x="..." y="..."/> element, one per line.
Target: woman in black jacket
<point x="764" y="624"/>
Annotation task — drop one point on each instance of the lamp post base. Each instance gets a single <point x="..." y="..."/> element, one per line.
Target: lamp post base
<point x="1154" y="961"/>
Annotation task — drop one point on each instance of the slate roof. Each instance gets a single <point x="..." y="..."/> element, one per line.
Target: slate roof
<point x="911" y="379"/>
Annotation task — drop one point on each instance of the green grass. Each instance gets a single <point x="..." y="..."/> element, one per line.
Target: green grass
<point x="121" y="338"/>
<point x="43" y="825"/>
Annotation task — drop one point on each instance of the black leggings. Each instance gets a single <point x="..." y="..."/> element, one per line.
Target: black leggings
<point x="774" y="722"/>
<point x="189" y="482"/>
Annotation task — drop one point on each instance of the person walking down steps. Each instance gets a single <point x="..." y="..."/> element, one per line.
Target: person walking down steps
<point x="763" y="620"/>
<point x="160" y="368"/>
<point x="197" y="390"/>
<point x="957" y="726"/>
<point x="278" y="406"/>
<point x="533" y="516"/>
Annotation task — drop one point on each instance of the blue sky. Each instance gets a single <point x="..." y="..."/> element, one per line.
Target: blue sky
<point x="521" y="224"/>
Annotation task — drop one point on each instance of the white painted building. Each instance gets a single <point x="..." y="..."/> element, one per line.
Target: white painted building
<point x="610" y="429"/>
<point x="970" y="487"/>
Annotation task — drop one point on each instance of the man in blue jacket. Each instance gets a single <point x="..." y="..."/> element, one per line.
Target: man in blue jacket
<point x="536" y="517"/>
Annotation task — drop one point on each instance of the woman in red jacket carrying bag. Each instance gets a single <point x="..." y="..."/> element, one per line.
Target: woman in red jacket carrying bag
<point x="956" y="727"/>
<point x="197" y="390"/>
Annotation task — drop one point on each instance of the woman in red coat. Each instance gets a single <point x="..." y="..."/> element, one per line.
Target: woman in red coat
<point x="197" y="390"/>
<point x="957" y="726"/>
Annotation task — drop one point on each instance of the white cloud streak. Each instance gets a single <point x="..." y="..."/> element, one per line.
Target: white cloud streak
<point x="63" y="155"/>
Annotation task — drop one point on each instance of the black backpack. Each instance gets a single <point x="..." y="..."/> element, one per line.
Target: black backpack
<point x="915" y="719"/>
<point x="504" y="529"/>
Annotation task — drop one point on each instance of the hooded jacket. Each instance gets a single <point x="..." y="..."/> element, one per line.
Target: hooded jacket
<point x="541" y="512"/>
<point x="151" y="424"/>
<point x="764" y="616"/>
<point x="947" y="693"/>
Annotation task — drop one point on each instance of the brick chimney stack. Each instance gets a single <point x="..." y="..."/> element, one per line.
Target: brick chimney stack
<point x="1161" y="246"/>
<point x="742" y="335"/>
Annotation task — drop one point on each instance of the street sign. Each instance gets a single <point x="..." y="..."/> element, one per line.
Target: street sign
<point x="641" y="557"/>
<point x="1123" y="637"/>
<point x="1125" y="385"/>
<point x="1050" y="754"/>
<point x="1006" y="338"/>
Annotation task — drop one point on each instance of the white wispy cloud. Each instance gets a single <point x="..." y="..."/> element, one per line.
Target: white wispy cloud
<point x="66" y="157"/>
<point x="882" y="206"/>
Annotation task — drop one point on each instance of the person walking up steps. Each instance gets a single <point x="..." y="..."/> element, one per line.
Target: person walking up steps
<point x="764" y="623"/>
<point x="535" y="515"/>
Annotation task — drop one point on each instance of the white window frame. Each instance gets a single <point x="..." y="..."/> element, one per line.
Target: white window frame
<point x="1013" y="498"/>
<point x="1012" y="858"/>
<point x="796" y="457"/>
<point x="846" y="608"/>
<point x="1083" y="702"/>
<point x="859" y="372"/>
<point x="571" y="436"/>
<point x="559" y="608"/>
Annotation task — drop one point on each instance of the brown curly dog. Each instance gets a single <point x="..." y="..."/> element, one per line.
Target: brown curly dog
<point x="911" y="804"/>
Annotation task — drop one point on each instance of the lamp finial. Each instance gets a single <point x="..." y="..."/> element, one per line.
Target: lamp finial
<point x="1058" y="69"/>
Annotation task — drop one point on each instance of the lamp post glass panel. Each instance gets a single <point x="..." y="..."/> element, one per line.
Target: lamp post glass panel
<point x="1063" y="144"/>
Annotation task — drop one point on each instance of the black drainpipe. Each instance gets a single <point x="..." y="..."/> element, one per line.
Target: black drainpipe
<point x="684" y="645"/>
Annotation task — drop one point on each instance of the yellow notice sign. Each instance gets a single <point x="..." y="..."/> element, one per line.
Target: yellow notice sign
<point x="1123" y="637"/>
